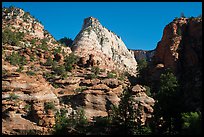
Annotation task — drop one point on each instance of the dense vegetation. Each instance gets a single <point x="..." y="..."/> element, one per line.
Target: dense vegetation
<point x="66" y="41"/>
<point x="171" y="116"/>
<point x="12" y="38"/>
<point x="168" y="119"/>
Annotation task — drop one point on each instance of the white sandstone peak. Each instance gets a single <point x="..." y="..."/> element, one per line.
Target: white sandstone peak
<point x="107" y="47"/>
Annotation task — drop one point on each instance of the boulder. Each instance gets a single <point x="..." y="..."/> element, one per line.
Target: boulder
<point x="112" y="83"/>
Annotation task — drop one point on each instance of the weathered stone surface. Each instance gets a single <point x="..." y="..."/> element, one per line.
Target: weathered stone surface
<point x="108" y="49"/>
<point x="143" y="54"/>
<point x="118" y="90"/>
<point x="13" y="126"/>
<point x="70" y="80"/>
<point x="112" y="83"/>
<point x="95" y="102"/>
<point x="138" y="88"/>
<point x="168" y="50"/>
<point x="143" y="103"/>
<point x="180" y="49"/>
<point x="101" y="87"/>
<point x="90" y="82"/>
<point x="25" y="94"/>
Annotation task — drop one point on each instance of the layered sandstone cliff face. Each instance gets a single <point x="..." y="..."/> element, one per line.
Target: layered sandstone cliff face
<point x="181" y="43"/>
<point x="181" y="50"/>
<point x="17" y="20"/>
<point x="23" y="21"/>
<point x="143" y="54"/>
<point x="25" y="91"/>
<point x="108" y="49"/>
<point x="32" y="92"/>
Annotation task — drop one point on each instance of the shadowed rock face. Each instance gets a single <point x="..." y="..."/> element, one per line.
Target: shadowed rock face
<point x="181" y="50"/>
<point x="108" y="48"/>
<point x="143" y="54"/>
<point x="181" y="44"/>
<point x="97" y="100"/>
<point x="144" y="103"/>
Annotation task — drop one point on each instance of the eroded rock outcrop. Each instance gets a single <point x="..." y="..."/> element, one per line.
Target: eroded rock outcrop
<point x="181" y="43"/>
<point x="20" y="21"/>
<point x="108" y="48"/>
<point x="142" y="102"/>
<point x="143" y="54"/>
<point x="97" y="100"/>
<point x="36" y="85"/>
<point x="24" y="91"/>
<point x="180" y="49"/>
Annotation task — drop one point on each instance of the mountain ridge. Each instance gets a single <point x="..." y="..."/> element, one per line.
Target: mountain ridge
<point x="99" y="41"/>
<point x="47" y="88"/>
<point x="44" y="82"/>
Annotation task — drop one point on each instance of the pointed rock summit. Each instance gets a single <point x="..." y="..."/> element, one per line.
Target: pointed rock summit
<point x="107" y="48"/>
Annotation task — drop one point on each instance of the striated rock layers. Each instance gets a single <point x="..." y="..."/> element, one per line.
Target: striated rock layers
<point x="19" y="21"/>
<point x="23" y="104"/>
<point x="181" y="50"/>
<point x="143" y="54"/>
<point x="36" y="85"/>
<point x="108" y="49"/>
<point x="181" y="44"/>
<point x="23" y="21"/>
<point x="97" y="100"/>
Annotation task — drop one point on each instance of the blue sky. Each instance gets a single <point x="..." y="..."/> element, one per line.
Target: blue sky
<point x="140" y="24"/>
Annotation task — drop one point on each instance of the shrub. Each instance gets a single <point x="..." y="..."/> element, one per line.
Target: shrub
<point x="75" y="123"/>
<point x="16" y="59"/>
<point x="95" y="70"/>
<point x="59" y="70"/>
<point x="55" y="85"/>
<point x="199" y="16"/>
<point x="90" y="76"/>
<point x="11" y="38"/>
<point x="13" y="96"/>
<point x="81" y="89"/>
<point x="57" y="50"/>
<point x="182" y="15"/>
<point x="27" y="107"/>
<point x="31" y="73"/>
<point x="33" y="41"/>
<point x="20" y="69"/>
<point x="32" y="58"/>
<point x="26" y="15"/>
<point x="142" y="63"/>
<point x="70" y="61"/>
<point x="69" y="67"/>
<point x="66" y="41"/>
<point x="112" y="75"/>
<point x="49" y="62"/>
<point x="191" y="123"/>
<point x="43" y="47"/>
<point x="64" y="75"/>
<point x="121" y="76"/>
<point x="49" y="105"/>
<point x="61" y="123"/>
<point x="147" y="90"/>
<point x="48" y="75"/>
<point x="179" y="31"/>
<point x="4" y="72"/>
